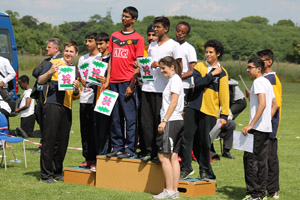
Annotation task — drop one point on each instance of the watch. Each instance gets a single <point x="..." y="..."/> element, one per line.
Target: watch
<point x="164" y="120"/>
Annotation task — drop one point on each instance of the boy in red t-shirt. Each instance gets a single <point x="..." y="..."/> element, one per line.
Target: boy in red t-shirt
<point x="125" y="46"/>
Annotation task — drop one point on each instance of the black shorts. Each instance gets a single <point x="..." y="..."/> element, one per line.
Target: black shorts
<point x="170" y="140"/>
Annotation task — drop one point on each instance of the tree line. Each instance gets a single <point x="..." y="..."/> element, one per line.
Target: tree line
<point x="241" y="39"/>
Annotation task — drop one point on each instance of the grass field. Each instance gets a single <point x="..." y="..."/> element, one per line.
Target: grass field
<point x="20" y="183"/>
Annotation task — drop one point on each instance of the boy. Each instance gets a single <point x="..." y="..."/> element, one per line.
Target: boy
<point x="210" y="93"/>
<point x="125" y="46"/>
<point x="57" y="119"/>
<point x="262" y="107"/>
<point x="151" y="37"/>
<point x="189" y="58"/>
<point x="87" y="105"/>
<point x="152" y="91"/>
<point x="26" y="108"/>
<point x="101" y="122"/>
<point x="273" y="164"/>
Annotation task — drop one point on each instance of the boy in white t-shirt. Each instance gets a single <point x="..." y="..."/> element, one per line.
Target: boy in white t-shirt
<point x="152" y="91"/>
<point x="26" y="110"/>
<point x="189" y="59"/>
<point x="87" y="104"/>
<point x="263" y="106"/>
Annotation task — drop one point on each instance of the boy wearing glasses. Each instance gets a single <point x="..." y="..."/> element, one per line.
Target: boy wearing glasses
<point x="262" y="107"/>
<point x="125" y="46"/>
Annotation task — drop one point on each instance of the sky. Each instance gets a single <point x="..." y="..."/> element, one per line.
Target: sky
<point x="57" y="12"/>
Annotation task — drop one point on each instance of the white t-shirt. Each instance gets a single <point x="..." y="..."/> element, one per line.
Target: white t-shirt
<point x="169" y="48"/>
<point x="6" y="70"/>
<point x="174" y="86"/>
<point x="188" y="55"/>
<point x="262" y="85"/>
<point x="29" y="111"/>
<point x="87" y="93"/>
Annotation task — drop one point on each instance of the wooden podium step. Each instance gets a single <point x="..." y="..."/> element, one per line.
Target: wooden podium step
<point x="79" y="176"/>
<point x="135" y="175"/>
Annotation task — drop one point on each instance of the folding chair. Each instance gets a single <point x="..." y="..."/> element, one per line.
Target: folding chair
<point x="5" y="138"/>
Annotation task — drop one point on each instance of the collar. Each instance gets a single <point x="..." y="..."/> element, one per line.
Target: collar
<point x="209" y="66"/>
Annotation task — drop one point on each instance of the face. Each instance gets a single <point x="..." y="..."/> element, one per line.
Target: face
<point x="21" y="84"/>
<point x="127" y="19"/>
<point x="69" y="54"/>
<point x="211" y="55"/>
<point x="181" y="33"/>
<point x="252" y="70"/>
<point x="102" y="46"/>
<point x="267" y="61"/>
<point x="90" y="44"/>
<point x="166" y="70"/>
<point x="151" y="37"/>
<point x="159" y="30"/>
<point x="51" y="49"/>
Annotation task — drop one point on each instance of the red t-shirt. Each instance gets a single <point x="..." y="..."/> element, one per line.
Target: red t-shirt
<point x="124" y="48"/>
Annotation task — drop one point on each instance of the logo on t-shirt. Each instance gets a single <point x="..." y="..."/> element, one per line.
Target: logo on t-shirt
<point x="120" y="53"/>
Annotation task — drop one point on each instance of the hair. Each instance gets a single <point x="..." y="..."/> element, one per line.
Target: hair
<point x="266" y="52"/>
<point x="257" y="63"/>
<point x="91" y="35"/>
<point x="71" y="43"/>
<point x="218" y="46"/>
<point x="163" y="20"/>
<point x="55" y="41"/>
<point x="102" y="37"/>
<point x="132" y="11"/>
<point x="150" y="28"/>
<point x="185" y="23"/>
<point x="24" y="79"/>
<point x="169" y="61"/>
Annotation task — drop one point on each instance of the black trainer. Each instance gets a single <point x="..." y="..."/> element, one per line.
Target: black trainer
<point x="49" y="181"/>
<point x="207" y="177"/>
<point x="185" y="174"/>
<point x="59" y="178"/>
<point x="114" y="154"/>
<point x="146" y="158"/>
<point x="228" y="155"/>
<point x="124" y="155"/>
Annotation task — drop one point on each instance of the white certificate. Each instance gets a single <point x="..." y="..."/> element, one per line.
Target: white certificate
<point x="241" y="142"/>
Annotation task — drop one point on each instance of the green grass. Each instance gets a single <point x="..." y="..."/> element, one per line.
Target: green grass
<point x="20" y="183"/>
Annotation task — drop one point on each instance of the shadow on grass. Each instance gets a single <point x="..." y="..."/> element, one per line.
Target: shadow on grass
<point x="232" y="192"/>
<point x="36" y="174"/>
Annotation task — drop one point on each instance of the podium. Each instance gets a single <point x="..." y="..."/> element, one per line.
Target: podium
<point x="134" y="175"/>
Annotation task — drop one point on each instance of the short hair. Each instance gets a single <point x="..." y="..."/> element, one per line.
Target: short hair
<point x="218" y="46"/>
<point x="132" y="11"/>
<point x="102" y="37"/>
<point x="91" y="35"/>
<point x="150" y="28"/>
<point x="163" y="20"/>
<point x="257" y="63"/>
<point x="71" y="43"/>
<point x="24" y="79"/>
<point x="169" y="60"/>
<point x="185" y="23"/>
<point x="266" y="52"/>
<point x="55" y="41"/>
